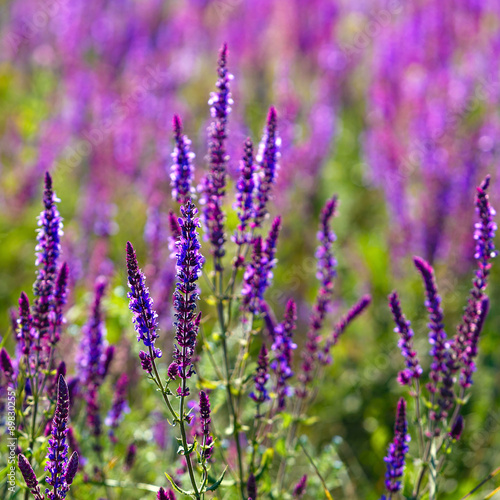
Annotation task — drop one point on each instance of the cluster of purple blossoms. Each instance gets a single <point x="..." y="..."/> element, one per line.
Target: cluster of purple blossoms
<point x="48" y="250"/>
<point x="181" y="171"/>
<point x="61" y="470"/>
<point x="141" y="304"/>
<point x="300" y="488"/>
<point x="326" y="273"/>
<point x="283" y="347"/>
<point x="261" y="395"/>
<point x="403" y="329"/>
<point x="207" y="444"/>
<point x="395" y="459"/>
<point x="259" y="271"/>
<point x="244" y="194"/>
<point x="214" y="184"/>
<point x="189" y="264"/>
<point x="165" y="494"/>
<point x="267" y="161"/>
<point x="119" y="406"/>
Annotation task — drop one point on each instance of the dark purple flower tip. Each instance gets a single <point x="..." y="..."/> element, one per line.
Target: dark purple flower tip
<point x="182" y="170"/>
<point x="119" y="406"/>
<point x="173" y="371"/>
<point x="165" y="494"/>
<point x="6" y="364"/>
<point x="300" y="487"/>
<point x="72" y="468"/>
<point x="205" y="425"/>
<point x="130" y="456"/>
<point x="252" y="487"/>
<point x="261" y="395"/>
<point x="146" y="363"/>
<point x="457" y="428"/>
<point x="29" y="477"/>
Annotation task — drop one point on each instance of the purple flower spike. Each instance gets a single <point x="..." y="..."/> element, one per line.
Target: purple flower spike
<point x="252" y="487"/>
<point x="29" y="477"/>
<point x="437" y="335"/>
<point x="341" y="326"/>
<point x="60" y="299"/>
<point x="300" y="488"/>
<point x="120" y="405"/>
<point x="457" y="429"/>
<point x="6" y="366"/>
<point x="130" y="456"/>
<point x="214" y="184"/>
<point x="254" y="279"/>
<point x="25" y="332"/>
<point x="58" y="449"/>
<point x="244" y="194"/>
<point x="181" y="171"/>
<point x="283" y="347"/>
<point x="141" y="304"/>
<point x="48" y="250"/>
<point x="72" y="468"/>
<point x="189" y="264"/>
<point x="165" y="495"/>
<point x="205" y="425"/>
<point x="175" y="233"/>
<point x="403" y="329"/>
<point x="395" y="459"/>
<point x="267" y="161"/>
<point x="260" y="395"/>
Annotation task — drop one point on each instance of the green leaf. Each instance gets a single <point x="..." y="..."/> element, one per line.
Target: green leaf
<point x="214" y="486"/>
<point x="280" y="447"/>
<point x="176" y="488"/>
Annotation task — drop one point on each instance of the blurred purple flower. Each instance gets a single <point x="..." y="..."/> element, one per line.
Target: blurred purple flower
<point x="260" y="394"/>
<point x="182" y="170"/>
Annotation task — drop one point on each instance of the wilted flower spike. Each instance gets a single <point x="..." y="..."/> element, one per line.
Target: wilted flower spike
<point x="29" y="477"/>
<point x="267" y="161"/>
<point x="437" y="335"/>
<point x="181" y="171"/>
<point x="261" y="395"/>
<point x="189" y="264"/>
<point x="300" y="488"/>
<point x="403" y="329"/>
<point x="395" y="459"/>
<point x="141" y="304"/>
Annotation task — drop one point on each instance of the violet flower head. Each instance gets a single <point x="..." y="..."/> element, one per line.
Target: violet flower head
<point x="300" y="487"/>
<point x="403" y="328"/>
<point x="437" y="335"/>
<point x="165" y="494"/>
<point x="283" y="347"/>
<point x="119" y="406"/>
<point x="356" y="310"/>
<point x="25" y="332"/>
<point x="189" y="264"/>
<point x="252" y="487"/>
<point x="29" y="477"/>
<point x="214" y="184"/>
<point x="395" y="459"/>
<point x="141" y="304"/>
<point x="267" y="161"/>
<point x="58" y="449"/>
<point x="205" y="425"/>
<point x="244" y="194"/>
<point x="182" y="170"/>
<point x="261" y="395"/>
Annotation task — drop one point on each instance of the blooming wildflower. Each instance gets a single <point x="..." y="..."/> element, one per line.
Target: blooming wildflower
<point x="214" y="184"/>
<point x="244" y="193"/>
<point x="395" y="459"/>
<point x="267" y="161"/>
<point x="120" y="405"/>
<point x="205" y="424"/>
<point x="181" y="171"/>
<point x="326" y="265"/>
<point x="300" y="487"/>
<point x="251" y="487"/>
<point x="189" y="263"/>
<point x="437" y="335"/>
<point x="29" y="477"/>
<point x="283" y="347"/>
<point x="403" y="329"/>
<point x="340" y="327"/>
<point x="141" y="304"/>
<point x="260" y="395"/>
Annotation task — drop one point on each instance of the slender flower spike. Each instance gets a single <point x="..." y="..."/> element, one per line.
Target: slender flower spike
<point x="120" y="405"/>
<point x="6" y="366"/>
<point x="261" y="395"/>
<point x="457" y="428"/>
<point x="72" y="468"/>
<point x="214" y="185"/>
<point x="181" y="171"/>
<point x="25" y="332"/>
<point x="205" y="425"/>
<point x="58" y="449"/>
<point x="141" y="304"/>
<point x="165" y="495"/>
<point x="252" y="487"/>
<point x="29" y="477"/>
<point x="341" y="326"/>
<point x="130" y="456"/>
<point x="189" y="264"/>
<point x="267" y="161"/>
<point x="60" y="299"/>
<point x="437" y="335"/>
<point x="395" y="459"/>
<point x="244" y="194"/>
<point x="175" y="233"/>
<point x="403" y="329"/>
<point x="300" y="488"/>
